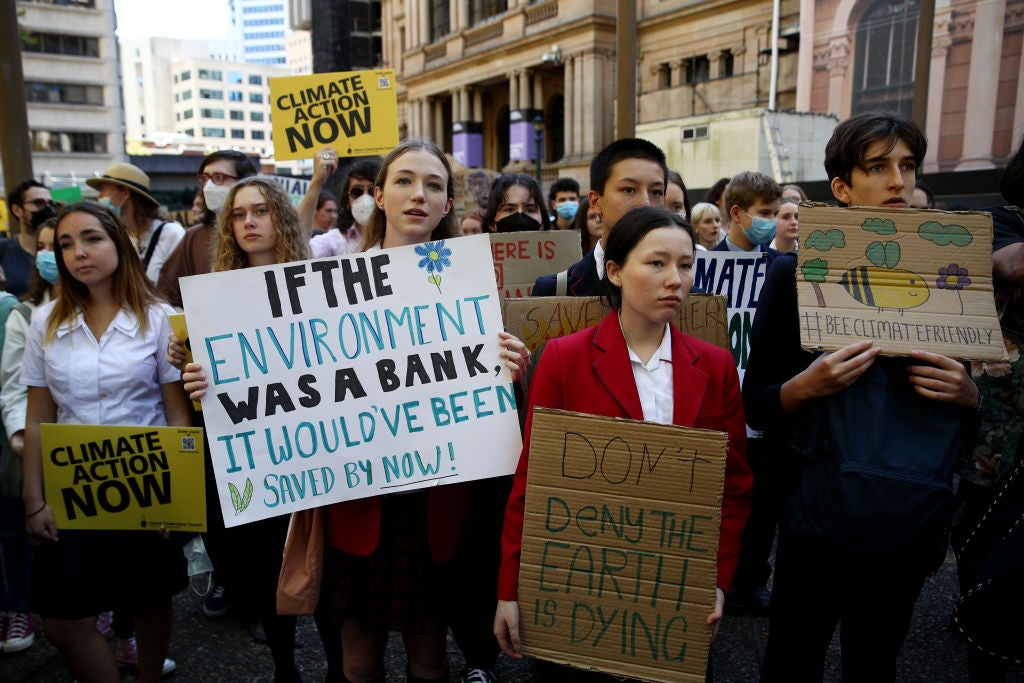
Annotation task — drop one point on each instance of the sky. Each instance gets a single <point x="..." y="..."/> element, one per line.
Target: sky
<point x="185" y="19"/>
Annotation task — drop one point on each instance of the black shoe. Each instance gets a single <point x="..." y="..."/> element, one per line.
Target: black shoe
<point x="759" y="601"/>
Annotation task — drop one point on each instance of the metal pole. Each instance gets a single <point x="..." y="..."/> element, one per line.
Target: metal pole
<point x="14" y="137"/>
<point x="773" y="82"/>
<point x="625" y="70"/>
<point x="538" y="141"/>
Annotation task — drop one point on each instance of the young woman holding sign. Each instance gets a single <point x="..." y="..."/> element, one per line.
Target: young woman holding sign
<point x="636" y="364"/>
<point x="385" y="555"/>
<point x="258" y="227"/>
<point x="95" y="355"/>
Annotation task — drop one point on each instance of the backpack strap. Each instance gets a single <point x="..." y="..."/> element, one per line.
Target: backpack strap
<point x="152" y="245"/>
<point x="562" y="283"/>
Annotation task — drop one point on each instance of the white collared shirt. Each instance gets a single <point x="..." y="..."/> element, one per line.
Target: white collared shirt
<point x="654" y="381"/>
<point x="115" y="380"/>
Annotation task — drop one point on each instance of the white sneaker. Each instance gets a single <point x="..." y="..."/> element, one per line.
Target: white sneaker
<point x="20" y="633"/>
<point x="478" y="676"/>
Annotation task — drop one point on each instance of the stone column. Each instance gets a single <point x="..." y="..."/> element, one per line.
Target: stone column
<point x="439" y="136"/>
<point x="513" y="91"/>
<point x="677" y="68"/>
<point x="982" y="85"/>
<point x="936" y="86"/>
<point x="524" y="89"/>
<point x="805" y="59"/>
<point x="838" y="65"/>
<point x="570" y="108"/>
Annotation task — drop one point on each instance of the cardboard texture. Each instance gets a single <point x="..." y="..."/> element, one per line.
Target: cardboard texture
<point x="522" y="257"/>
<point x="907" y="279"/>
<point x="620" y="540"/>
<point x="124" y="478"/>
<point x="354" y="111"/>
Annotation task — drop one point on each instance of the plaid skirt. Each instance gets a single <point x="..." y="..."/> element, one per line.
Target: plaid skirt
<point x="397" y="588"/>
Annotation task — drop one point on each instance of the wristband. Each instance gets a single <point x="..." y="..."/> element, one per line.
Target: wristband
<point x="33" y="514"/>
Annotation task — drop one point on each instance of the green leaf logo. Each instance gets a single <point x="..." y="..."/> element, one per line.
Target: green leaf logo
<point x="823" y="241"/>
<point x="883" y="255"/>
<point x="240" y="501"/>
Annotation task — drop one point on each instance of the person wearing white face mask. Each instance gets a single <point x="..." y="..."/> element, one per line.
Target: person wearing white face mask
<point x="218" y="173"/>
<point x="355" y="205"/>
<point x="124" y="189"/>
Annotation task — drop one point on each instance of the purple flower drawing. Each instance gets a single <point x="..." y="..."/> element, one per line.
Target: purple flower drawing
<point x="954" y="278"/>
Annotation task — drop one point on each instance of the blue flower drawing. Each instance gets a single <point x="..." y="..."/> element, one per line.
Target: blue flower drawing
<point x="435" y="259"/>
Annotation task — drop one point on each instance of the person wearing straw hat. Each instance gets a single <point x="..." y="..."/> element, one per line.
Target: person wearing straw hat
<point x="124" y="188"/>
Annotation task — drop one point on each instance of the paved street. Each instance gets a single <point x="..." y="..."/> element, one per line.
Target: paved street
<point x="222" y="650"/>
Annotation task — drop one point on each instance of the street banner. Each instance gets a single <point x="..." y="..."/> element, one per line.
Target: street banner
<point x="342" y="378"/>
<point x="620" y="545"/>
<point x="124" y="478"/>
<point x="354" y="111"/>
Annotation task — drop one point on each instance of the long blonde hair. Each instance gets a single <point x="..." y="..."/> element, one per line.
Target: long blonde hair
<point x="130" y="287"/>
<point x="228" y="255"/>
<point x="447" y="228"/>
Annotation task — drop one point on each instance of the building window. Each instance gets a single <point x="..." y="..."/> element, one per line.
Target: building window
<point x="237" y="134"/>
<point x="235" y="96"/>
<point x="65" y="141"/>
<point x="237" y="115"/>
<point x="726" y="64"/>
<point x="191" y="132"/>
<point x="187" y="114"/>
<point x="257" y="135"/>
<point x="691" y="133"/>
<point x="63" y="93"/>
<point x="211" y="75"/>
<point x="211" y="113"/>
<point x="255" y="98"/>
<point x="664" y="76"/>
<point x="256" y="116"/>
<point x="177" y="116"/>
<point x="235" y="77"/>
<point x="186" y="95"/>
<point x="884" y="66"/>
<point x="698" y="70"/>
<point x="61" y="44"/>
<point x="262" y="8"/>
<point x="186" y="75"/>
<point x="481" y="10"/>
<point x="440" y="20"/>
<point x="213" y="132"/>
<point x="206" y="94"/>
<point x="255" y="79"/>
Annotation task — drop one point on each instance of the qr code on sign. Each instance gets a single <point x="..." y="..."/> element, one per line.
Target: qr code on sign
<point x="383" y="82"/>
<point x="188" y="443"/>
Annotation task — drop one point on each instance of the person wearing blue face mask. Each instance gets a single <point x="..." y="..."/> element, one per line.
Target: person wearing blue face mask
<point x="751" y="200"/>
<point x="564" y="198"/>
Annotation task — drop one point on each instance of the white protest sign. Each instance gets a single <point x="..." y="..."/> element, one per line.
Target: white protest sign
<point x="350" y="377"/>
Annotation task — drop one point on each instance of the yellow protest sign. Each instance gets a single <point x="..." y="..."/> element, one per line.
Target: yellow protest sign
<point x="354" y="111"/>
<point x="180" y="329"/>
<point x="103" y="477"/>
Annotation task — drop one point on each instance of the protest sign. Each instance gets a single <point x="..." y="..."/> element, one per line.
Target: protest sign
<point x="103" y="477"/>
<point x="739" y="278"/>
<point x="620" y="544"/>
<point x="354" y="111"/>
<point x="180" y="330"/>
<point x="906" y="279"/>
<point x="522" y="257"/>
<point x="349" y="377"/>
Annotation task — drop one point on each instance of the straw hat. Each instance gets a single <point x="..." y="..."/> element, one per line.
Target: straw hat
<point x="130" y="177"/>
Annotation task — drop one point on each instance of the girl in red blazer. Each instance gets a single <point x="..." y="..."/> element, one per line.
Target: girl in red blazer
<point x="635" y="364"/>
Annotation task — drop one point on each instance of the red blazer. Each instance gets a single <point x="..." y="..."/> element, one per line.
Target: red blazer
<point x="590" y="372"/>
<point x="354" y="526"/>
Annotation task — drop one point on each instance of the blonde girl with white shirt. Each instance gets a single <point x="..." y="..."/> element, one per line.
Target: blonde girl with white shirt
<point x="95" y="355"/>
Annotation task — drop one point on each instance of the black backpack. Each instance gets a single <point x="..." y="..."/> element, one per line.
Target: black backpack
<point x="875" y="468"/>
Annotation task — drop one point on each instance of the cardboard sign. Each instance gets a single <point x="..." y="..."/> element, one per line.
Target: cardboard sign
<point x="906" y="279"/>
<point x="739" y="278"/>
<point x="350" y="377"/>
<point x="355" y="111"/>
<point x="538" y="319"/>
<point x="620" y="544"/>
<point x="522" y="257"/>
<point x="127" y="478"/>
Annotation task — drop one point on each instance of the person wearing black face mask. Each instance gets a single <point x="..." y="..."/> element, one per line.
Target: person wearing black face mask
<point x="516" y="204"/>
<point x="31" y="205"/>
